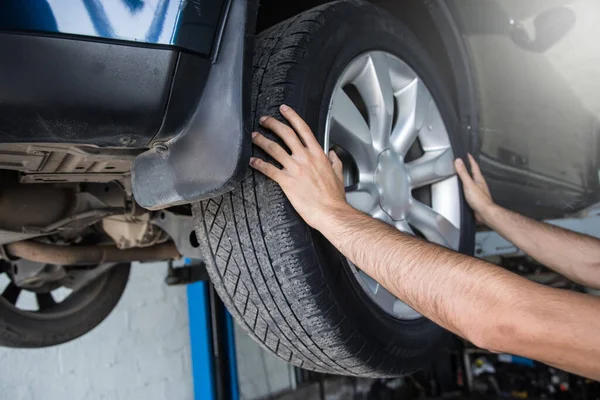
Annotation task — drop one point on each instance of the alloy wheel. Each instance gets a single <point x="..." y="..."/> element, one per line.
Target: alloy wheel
<point x="52" y="301"/>
<point x="398" y="159"/>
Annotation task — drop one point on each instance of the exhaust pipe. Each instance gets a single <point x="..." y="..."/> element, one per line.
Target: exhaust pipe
<point x="71" y="255"/>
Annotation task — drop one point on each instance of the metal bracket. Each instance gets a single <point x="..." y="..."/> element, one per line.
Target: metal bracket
<point x="78" y="279"/>
<point x="181" y="228"/>
<point x="30" y="274"/>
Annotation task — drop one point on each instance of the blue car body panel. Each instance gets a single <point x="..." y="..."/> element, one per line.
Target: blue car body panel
<point x="189" y="24"/>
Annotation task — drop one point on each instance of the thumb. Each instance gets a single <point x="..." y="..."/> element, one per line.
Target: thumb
<point x="336" y="164"/>
<point x="462" y="172"/>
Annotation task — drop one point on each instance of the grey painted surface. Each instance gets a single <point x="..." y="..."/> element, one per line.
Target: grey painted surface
<point x="141" y="351"/>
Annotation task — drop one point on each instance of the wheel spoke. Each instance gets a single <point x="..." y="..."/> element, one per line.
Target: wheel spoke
<point x="434" y="226"/>
<point x="385" y="298"/>
<point x="350" y="131"/>
<point x="423" y="106"/>
<point x="433" y="135"/>
<point x="403" y="226"/>
<point x="381" y="215"/>
<point x="366" y="279"/>
<point x="433" y="167"/>
<point x="11" y="293"/>
<point x="354" y="70"/>
<point x="362" y="196"/>
<point x="375" y="86"/>
<point x="405" y="131"/>
<point x="45" y="301"/>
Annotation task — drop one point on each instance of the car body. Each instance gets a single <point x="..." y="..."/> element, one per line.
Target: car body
<point x="116" y="116"/>
<point x="541" y="156"/>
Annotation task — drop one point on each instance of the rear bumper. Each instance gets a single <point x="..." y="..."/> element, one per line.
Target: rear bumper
<point x="211" y="153"/>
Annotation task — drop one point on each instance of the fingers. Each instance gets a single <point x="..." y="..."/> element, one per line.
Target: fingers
<point x="477" y="175"/>
<point x="301" y="128"/>
<point x="284" y="132"/>
<point x="271" y="148"/>
<point x="268" y="169"/>
<point x="337" y="165"/>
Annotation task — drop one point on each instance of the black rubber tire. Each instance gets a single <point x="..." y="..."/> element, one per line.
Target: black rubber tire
<point x="283" y="283"/>
<point x="20" y="330"/>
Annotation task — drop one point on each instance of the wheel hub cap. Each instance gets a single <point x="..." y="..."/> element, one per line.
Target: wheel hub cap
<point x="394" y="145"/>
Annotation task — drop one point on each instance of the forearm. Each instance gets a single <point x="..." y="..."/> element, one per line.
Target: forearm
<point x="457" y="292"/>
<point x="574" y="255"/>
<point x="483" y="303"/>
<point x="559" y="328"/>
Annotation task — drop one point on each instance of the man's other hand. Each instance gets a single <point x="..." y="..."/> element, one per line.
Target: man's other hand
<point x="311" y="180"/>
<point x="476" y="189"/>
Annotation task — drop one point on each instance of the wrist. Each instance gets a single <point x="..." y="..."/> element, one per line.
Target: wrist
<point x="489" y="214"/>
<point x="332" y="215"/>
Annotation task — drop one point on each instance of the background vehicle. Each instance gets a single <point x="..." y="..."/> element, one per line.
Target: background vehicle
<point x="125" y="135"/>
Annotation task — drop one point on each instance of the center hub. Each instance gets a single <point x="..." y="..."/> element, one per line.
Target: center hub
<point x="393" y="184"/>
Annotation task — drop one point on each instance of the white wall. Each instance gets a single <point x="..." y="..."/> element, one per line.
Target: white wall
<point x="141" y="351"/>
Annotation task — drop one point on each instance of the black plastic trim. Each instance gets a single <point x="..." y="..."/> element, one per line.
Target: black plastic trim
<point x="460" y="61"/>
<point x="186" y="91"/>
<point x="211" y="154"/>
<point x="66" y="90"/>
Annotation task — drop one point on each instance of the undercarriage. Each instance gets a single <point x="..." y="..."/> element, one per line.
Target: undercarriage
<point x="65" y="209"/>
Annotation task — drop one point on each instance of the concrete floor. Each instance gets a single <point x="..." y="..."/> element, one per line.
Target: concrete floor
<point x="260" y="374"/>
<point x="141" y="351"/>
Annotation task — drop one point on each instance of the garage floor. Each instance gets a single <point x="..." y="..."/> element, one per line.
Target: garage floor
<point x="141" y="351"/>
<point x="260" y="374"/>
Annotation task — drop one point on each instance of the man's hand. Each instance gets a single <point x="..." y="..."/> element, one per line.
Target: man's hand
<point x="571" y="254"/>
<point x="312" y="181"/>
<point x="476" y="189"/>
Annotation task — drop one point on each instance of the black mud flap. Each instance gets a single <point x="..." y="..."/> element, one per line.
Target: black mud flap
<point x="211" y="154"/>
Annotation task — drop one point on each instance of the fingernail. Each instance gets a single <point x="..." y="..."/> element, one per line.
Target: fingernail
<point x="262" y="119"/>
<point x="252" y="160"/>
<point x="284" y="107"/>
<point x="254" y="134"/>
<point x="458" y="162"/>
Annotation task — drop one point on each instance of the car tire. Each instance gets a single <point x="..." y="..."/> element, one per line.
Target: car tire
<point x="281" y="280"/>
<point x="78" y="314"/>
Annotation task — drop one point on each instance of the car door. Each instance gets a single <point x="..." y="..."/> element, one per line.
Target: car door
<point x="537" y="69"/>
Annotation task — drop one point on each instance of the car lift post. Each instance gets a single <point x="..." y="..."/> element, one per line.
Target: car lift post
<point x="214" y="368"/>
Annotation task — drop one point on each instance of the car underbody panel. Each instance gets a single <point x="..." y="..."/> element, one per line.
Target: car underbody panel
<point x="57" y="163"/>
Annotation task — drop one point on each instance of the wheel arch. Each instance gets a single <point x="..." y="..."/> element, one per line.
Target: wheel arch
<point x="423" y="17"/>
